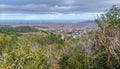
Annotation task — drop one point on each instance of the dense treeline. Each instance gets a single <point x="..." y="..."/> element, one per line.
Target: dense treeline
<point x="97" y="50"/>
<point x="8" y="30"/>
<point x="25" y="29"/>
<point x="17" y="30"/>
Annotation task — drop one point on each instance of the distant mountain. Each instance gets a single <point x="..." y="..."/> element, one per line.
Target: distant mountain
<point x="90" y="21"/>
<point x="43" y="21"/>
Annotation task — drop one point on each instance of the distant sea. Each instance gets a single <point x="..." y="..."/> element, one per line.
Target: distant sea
<point x="40" y="21"/>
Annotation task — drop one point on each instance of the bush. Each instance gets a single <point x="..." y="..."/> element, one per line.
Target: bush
<point x="106" y="43"/>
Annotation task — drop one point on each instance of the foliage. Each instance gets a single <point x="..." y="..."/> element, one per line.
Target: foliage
<point x="97" y="50"/>
<point x="8" y="30"/>
<point x="16" y="30"/>
<point x="106" y="41"/>
<point x="25" y="29"/>
<point x="26" y="51"/>
<point x="111" y="17"/>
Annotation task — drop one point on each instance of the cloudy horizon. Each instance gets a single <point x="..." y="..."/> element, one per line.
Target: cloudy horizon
<point x="54" y="9"/>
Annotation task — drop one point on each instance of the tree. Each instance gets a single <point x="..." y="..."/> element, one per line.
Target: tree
<point x="111" y="17"/>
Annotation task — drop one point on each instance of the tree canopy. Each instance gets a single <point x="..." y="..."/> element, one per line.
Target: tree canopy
<point x="111" y="17"/>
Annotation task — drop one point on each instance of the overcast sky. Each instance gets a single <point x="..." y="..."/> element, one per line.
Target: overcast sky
<point x="53" y="9"/>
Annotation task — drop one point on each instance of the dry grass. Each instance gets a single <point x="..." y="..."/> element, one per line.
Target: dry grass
<point x="106" y="40"/>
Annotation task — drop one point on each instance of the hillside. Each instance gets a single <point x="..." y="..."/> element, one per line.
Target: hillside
<point x="17" y="30"/>
<point x="34" y="49"/>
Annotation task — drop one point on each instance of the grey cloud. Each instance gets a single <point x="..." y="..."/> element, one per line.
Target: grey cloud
<point x="58" y="6"/>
